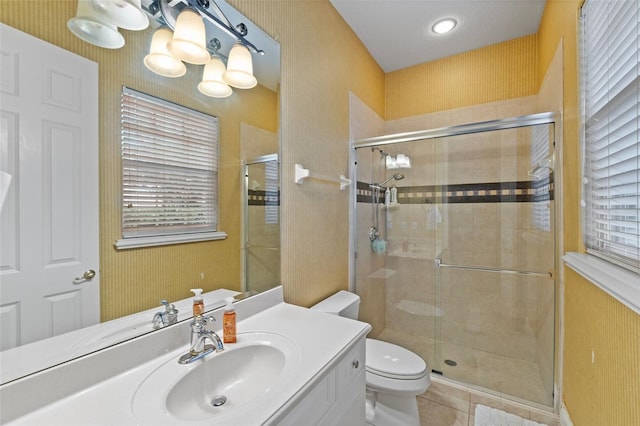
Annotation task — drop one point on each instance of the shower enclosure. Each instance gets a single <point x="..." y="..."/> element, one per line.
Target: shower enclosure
<point x="455" y="260"/>
<point x="261" y="228"/>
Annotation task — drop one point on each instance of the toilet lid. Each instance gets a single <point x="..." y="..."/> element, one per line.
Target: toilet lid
<point x="387" y="359"/>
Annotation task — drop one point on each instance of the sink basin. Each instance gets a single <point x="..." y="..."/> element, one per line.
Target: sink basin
<point x="234" y="377"/>
<point x="228" y="383"/>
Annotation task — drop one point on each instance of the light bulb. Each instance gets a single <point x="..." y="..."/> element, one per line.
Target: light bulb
<point x="189" y="38"/>
<point x="240" y="68"/>
<point x="159" y="60"/>
<point x="212" y="83"/>
<point x="444" y="25"/>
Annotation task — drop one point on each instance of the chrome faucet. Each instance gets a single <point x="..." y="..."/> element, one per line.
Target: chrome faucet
<point x="199" y="336"/>
<point x="167" y="317"/>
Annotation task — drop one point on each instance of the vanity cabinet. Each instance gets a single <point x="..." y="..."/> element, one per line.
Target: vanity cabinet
<point x="322" y="380"/>
<point x="336" y="397"/>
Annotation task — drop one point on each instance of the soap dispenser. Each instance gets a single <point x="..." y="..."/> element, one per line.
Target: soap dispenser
<point x="229" y="322"/>
<point x="198" y="302"/>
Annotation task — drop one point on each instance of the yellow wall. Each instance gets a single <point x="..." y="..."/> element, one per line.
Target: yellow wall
<point x="494" y="73"/>
<point x="607" y="391"/>
<point x="322" y="60"/>
<point x="137" y="279"/>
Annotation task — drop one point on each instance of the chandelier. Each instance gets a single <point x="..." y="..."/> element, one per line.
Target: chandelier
<point x="181" y="38"/>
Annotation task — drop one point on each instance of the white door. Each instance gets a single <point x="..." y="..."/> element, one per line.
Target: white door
<point x="49" y="220"/>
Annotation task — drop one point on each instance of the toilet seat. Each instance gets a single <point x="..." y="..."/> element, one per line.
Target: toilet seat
<point x="392" y="361"/>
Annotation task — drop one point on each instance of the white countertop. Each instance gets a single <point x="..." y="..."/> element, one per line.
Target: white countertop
<point x="27" y="359"/>
<point x="319" y="337"/>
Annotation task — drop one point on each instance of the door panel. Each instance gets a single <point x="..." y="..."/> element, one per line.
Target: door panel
<point x="49" y="221"/>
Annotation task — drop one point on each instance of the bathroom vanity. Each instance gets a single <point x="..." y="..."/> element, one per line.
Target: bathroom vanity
<point x="290" y="366"/>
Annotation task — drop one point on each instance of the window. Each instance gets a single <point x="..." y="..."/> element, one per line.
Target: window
<point x="611" y="138"/>
<point x="542" y="176"/>
<point x="169" y="173"/>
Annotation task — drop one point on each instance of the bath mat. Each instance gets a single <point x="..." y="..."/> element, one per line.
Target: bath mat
<point x="487" y="416"/>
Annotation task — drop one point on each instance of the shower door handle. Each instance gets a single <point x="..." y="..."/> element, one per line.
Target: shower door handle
<point x="438" y="264"/>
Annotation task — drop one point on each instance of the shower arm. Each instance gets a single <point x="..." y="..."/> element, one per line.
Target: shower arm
<point x="397" y="176"/>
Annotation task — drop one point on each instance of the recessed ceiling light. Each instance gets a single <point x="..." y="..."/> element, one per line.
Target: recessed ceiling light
<point x="444" y="25"/>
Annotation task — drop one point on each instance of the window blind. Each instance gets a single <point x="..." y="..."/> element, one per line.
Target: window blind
<point x="272" y="193"/>
<point x="169" y="168"/>
<point x="543" y="178"/>
<point x="610" y="43"/>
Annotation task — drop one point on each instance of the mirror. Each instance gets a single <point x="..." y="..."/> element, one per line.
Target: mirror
<point x="133" y="282"/>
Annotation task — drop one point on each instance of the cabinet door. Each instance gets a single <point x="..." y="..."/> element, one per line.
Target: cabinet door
<point x="314" y="404"/>
<point x="338" y="398"/>
<point x="349" y="408"/>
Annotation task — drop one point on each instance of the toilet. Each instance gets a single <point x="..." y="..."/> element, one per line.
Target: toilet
<point x="395" y="376"/>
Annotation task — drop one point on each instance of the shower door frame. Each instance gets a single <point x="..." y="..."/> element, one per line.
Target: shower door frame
<point x="471" y="128"/>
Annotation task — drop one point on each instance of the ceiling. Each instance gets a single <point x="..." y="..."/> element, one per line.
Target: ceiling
<point x="398" y="33"/>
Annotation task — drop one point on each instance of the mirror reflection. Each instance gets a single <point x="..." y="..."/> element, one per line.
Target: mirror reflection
<point x="70" y="237"/>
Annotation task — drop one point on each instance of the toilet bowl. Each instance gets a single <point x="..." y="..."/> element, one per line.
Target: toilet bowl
<point x="395" y="376"/>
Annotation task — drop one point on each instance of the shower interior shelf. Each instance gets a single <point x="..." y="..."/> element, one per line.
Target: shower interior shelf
<point x="301" y="174"/>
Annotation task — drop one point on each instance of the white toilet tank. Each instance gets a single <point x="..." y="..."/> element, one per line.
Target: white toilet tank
<point x="343" y="303"/>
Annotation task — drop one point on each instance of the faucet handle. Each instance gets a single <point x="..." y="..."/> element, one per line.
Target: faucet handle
<point x="200" y="321"/>
<point x="170" y="314"/>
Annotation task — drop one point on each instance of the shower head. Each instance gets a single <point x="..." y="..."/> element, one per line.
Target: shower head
<point x="396" y="176"/>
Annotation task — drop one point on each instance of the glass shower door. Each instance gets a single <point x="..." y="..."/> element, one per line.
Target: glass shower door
<point x="495" y="261"/>
<point x="261" y="224"/>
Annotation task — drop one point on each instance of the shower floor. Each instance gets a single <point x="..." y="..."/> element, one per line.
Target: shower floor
<point x="510" y="376"/>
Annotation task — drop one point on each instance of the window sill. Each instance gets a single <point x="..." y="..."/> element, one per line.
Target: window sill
<point x="129" y="243"/>
<point x="619" y="283"/>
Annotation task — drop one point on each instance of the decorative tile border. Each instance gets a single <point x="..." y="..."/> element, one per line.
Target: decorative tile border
<point x="489" y="192"/>
<point x="263" y="198"/>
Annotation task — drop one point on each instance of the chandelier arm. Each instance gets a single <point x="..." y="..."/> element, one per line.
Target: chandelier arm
<point x="223" y="26"/>
<point x="205" y="4"/>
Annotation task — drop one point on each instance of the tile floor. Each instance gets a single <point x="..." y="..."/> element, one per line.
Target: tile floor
<point x="451" y="404"/>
